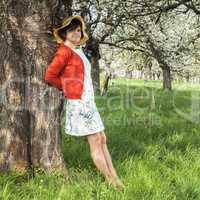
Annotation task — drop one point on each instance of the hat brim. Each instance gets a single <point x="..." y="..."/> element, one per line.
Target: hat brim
<point x="66" y="22"/>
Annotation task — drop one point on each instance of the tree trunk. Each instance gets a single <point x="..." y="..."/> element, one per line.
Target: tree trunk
<point x="166" y="78"/>
<point x="187" y="77"/>
<point x="30" y="109"/>
<point x="105" y="85"/>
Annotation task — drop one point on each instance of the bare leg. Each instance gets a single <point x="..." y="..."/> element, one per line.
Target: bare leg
<point x="108" y="156"/>
<point x="97" y="154"/>
<point x="109" y="161"/>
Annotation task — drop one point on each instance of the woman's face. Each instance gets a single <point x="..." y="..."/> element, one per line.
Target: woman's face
<point x="74" y="36"/>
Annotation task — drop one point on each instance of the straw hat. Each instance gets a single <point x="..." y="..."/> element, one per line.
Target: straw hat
<point x="65" y="23"/>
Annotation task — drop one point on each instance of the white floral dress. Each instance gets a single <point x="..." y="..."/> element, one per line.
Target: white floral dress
<point x="82" y="116"/>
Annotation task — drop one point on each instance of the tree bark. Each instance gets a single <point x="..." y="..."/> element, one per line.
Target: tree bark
<point x="105" y="84"/>
<point x="30" y="109"/>
<point x="166" y="78"/>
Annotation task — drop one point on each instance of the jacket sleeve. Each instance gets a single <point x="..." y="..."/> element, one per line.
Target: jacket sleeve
<point x="55" y="67"/>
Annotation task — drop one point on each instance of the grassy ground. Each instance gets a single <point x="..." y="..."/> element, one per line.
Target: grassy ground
<point x="153" y="137"/>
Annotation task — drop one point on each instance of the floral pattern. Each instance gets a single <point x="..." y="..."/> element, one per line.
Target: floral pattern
<point x="82" y="116"/>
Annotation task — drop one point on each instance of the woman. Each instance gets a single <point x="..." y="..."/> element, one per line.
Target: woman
<point x="70" y="72"/>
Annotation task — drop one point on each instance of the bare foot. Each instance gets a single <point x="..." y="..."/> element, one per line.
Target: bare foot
<point x="116" y="182"/>
<point x="119" y="184"/>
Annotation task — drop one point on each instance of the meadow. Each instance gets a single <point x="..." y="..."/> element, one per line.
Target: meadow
<point x="153" y="137"/>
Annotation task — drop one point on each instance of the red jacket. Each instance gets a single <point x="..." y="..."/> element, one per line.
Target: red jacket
<point x="66" y="72"/>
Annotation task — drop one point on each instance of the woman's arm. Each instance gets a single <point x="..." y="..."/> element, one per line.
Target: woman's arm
<point x="55" y="67"/>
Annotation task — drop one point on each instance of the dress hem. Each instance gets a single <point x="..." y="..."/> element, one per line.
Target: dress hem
<point x="90" y="133"/>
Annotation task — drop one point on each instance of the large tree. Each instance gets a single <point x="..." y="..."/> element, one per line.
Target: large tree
<point x="30" y="109"/>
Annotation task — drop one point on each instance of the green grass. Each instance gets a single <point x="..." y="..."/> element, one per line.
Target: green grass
<point x="153" y="137"/>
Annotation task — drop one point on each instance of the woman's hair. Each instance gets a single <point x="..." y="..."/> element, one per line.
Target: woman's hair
<point x="70" y="27"/>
